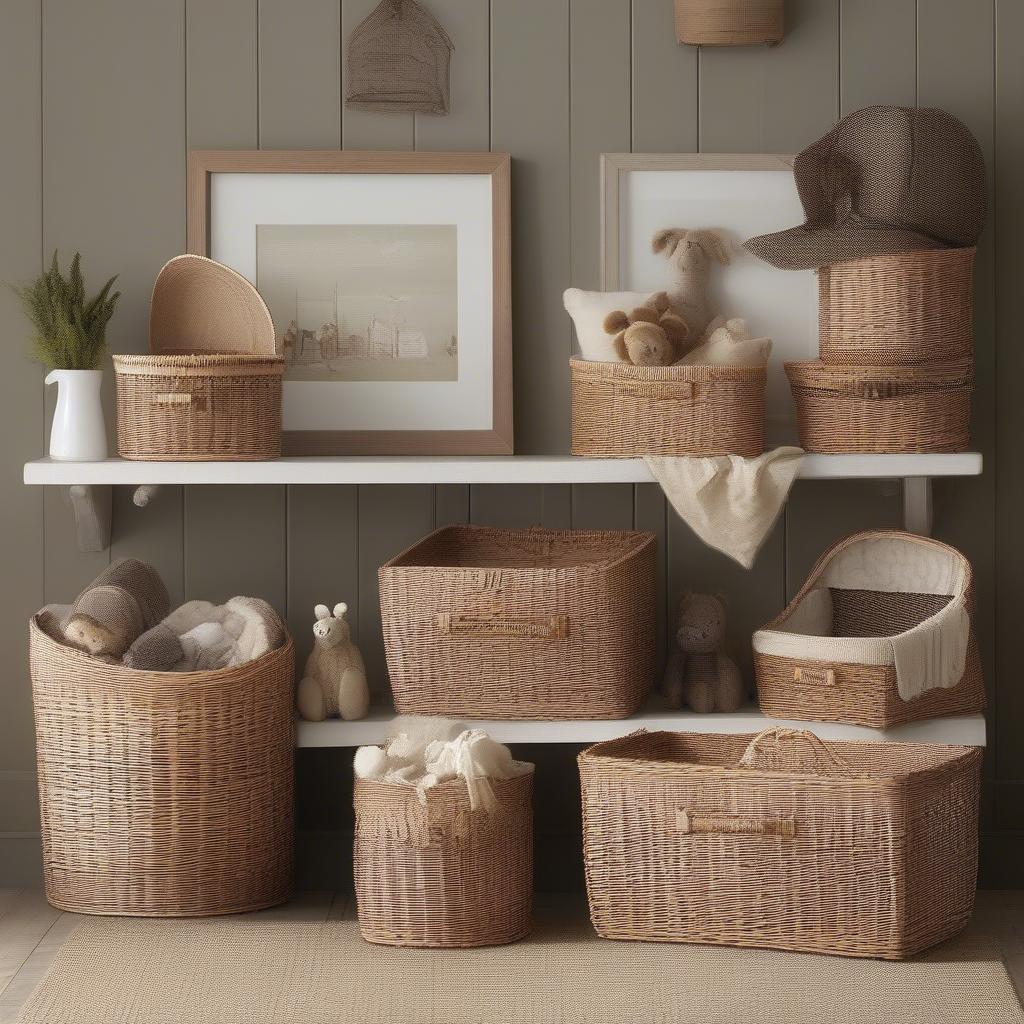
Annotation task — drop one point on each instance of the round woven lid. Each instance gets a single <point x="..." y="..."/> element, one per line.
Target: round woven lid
<point x="201" y="306"/>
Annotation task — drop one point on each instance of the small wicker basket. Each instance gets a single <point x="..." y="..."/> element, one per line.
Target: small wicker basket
<point x="521" y="624"/>
<point x="625" y="411"/>
<point x="883" y="408"/>
<point x="730" y="22"/>
<point x="780" y="840"/>
<point x="164" y="794"/>
<point x="898" y="310"/>
<point x="440" y="873"/>
<point x="828" y="656"/>
<point x="212" y="388"/>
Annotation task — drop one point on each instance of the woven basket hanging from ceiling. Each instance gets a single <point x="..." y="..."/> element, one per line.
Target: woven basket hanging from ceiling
<point x="399" y="59"/>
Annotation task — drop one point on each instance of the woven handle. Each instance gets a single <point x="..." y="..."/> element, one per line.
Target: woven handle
<point x="554" y="628"/>
<point x="814" y="675"/>
<point x="441" y="830"/>
<point x="657" y="391"/>
<point x="792" y="750"/>
<point x="880" y="389"/>
<point x="705" y="823"/>
<point x="181" y="398"/>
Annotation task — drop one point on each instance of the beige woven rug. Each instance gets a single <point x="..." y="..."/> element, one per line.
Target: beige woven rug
<point x="265" y="972"/>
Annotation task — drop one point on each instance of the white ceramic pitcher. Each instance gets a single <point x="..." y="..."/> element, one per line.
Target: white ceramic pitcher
<point x="79" y="433"/>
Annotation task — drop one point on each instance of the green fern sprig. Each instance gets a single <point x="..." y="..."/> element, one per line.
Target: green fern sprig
<point x="68" y="332"/>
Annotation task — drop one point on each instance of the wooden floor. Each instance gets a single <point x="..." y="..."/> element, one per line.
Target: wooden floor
<point x="31" y="933"/>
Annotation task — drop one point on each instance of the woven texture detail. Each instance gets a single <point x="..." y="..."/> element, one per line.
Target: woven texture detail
<point x="897" y="310"/>
<point x="398" y="59"/>
<point x="534" y="624"/>
<point x="623" y="411"/>
<point x="729" y="22"/>
<point x="439" y="873"/>
<point x="856" y="849"/>
<point x="882" y="409"/>
<point x="163" y="794"/>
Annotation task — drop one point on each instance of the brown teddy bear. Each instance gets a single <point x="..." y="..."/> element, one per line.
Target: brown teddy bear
<point x="698" y="673"/>
<point x="650" y="335"/>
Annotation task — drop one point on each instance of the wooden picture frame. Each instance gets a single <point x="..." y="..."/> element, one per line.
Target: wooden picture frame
<point x="493" y="439"/>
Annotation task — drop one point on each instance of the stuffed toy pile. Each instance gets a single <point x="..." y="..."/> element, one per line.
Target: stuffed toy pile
<point x="124" y="616"/>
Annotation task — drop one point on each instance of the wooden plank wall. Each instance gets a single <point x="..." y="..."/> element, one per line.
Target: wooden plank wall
<point x="101" y="100"/>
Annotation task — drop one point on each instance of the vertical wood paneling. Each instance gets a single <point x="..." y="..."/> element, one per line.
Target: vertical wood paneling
<point x="1008" y="710"/>
<point x="21" y="400"/>
<point x="113" y="187"/>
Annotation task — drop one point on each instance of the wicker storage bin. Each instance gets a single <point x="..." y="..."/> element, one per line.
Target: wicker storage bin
<point x="440" y="873"/>
<point x="541" y="624"/>
<point x="898" y="310"/>
<point x="163" y="794"/>
<point x="729" y="22"/>
<point x="212" y="388"/>
<point x="780" y="840"/>
<point x="623" y="411"/>
<point x="829" y="656"/>
<point x="883" y="408"/>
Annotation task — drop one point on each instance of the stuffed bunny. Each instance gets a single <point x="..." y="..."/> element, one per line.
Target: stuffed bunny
<point x="689" y="254"/>
<point x="334" y="682"/>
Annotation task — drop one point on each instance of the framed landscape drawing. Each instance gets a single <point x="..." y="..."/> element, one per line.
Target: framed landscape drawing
<point x="742" y="195"/>
<point x="388" y="279"/>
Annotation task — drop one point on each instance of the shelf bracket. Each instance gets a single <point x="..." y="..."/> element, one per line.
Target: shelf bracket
<point x="91" y="506"/>
<point x="917" y="505"/>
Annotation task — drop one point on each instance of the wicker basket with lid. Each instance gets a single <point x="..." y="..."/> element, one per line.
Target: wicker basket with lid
<point x="211" y="389"/>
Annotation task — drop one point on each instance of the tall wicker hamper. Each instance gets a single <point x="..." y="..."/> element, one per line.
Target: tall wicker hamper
<point x="542" y="624"/>
<point x="440" y="873"/>
<point x="211" y="390"/>
<point x="163" y="794"/>
<point x="780" y="840"/>
<point x="829" y="657"/>
<point x="898" y="310"/>
<point x="623" y="411"/>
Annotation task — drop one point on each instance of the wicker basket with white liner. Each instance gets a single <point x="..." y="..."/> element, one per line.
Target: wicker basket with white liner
<point x="879" y="634"/>
<point x="625" y="411"/>
<point x="521" y="624"/>
<point x="780" y="840"/>
<point x="211" y="390"/>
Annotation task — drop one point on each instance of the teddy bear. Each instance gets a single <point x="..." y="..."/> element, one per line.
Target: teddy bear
<point x="689" y="254"/>
<point x="698" y="673"/>
<point x="650" y="335"/>
<point x="334" y="681"/>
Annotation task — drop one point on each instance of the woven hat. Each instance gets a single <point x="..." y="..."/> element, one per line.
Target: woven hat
<point x="883" y="180"/>
<point x="399" y="59"/>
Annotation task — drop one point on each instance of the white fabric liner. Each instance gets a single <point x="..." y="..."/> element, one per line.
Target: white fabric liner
<point x="932" y="655"/>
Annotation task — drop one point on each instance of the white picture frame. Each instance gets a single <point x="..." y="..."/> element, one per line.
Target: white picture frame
<point x="742" y="194"/>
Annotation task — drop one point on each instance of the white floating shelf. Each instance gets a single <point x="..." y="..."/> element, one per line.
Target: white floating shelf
<point x="968" y="730"/>
<point x="513" y="469"/>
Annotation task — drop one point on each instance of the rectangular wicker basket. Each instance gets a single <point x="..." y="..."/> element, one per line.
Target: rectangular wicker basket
<point x="211" y="390"/>
<point x="164" y="794"/>
<point x="882" y="409"/>
<point x="780" y="840"/>
<point x="898" y="310"/>
<point x="440" y="873"/>
<point x="625" y="411"/>
<point x="522" y="624"/>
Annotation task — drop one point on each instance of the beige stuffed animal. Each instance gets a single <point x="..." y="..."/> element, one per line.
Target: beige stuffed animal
<point x="729" y="343"/>
<point x="698" y="673"/>
<point x="690" y="254"/>
<point x="334" y="682"/>
<point x="650" y="335"/>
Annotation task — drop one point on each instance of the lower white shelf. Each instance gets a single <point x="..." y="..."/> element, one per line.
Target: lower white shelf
<point x="968" y="730"/>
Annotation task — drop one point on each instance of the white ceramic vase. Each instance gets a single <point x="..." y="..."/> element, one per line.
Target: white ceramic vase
<point x="79" y="433"/>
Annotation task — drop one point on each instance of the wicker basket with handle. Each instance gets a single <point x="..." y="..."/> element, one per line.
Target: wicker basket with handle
<point x="211" y="390"/>
<point x="898" y="310"/>
<point x="780" y="840"/>
<point x="882" y="409"/>
<point x="440" y="873"/>
<point x="164" y="794"/>
<point x="623" y="411"/>
<point x="525" y="624"/>
<point x="828" y="655"/>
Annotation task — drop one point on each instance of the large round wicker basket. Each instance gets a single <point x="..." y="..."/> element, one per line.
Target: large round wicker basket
<point x="212" y="389"/>
<point x="898" y="310"/>
<point x="164" y="794"/>
<point x="883" y="408"/>
<point x="438" y="872"/>
<point x="625" y="411"/>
